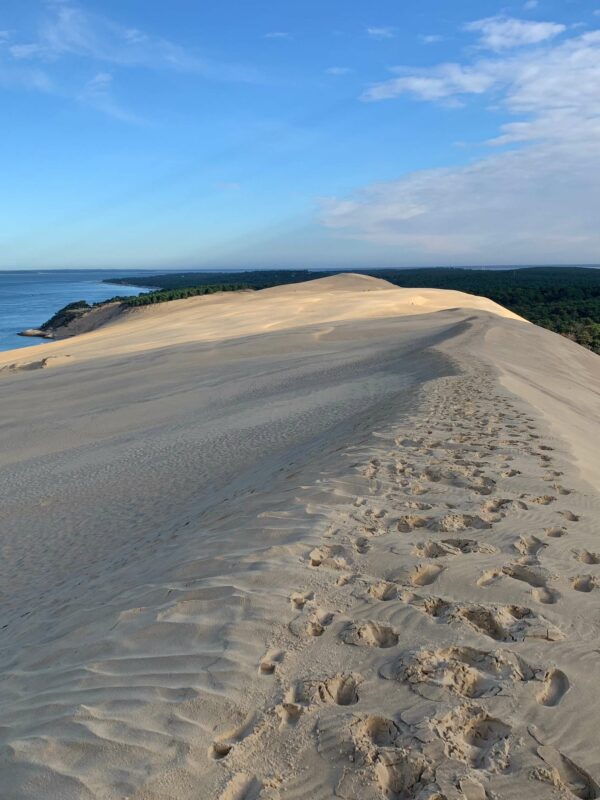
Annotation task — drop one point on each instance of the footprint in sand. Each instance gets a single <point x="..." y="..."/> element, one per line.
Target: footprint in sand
<point x="242" y="787"/>
<point x="529" y="545"/>
<point x="464" y="671"/>
<point x="507" y="623"/>
<point x="361" y="545"/>
<point x="318" y="622"/>
<point x="424" y="574"/>
<point x="482" y="486"/>
<point x="451" y="547"/>
<point x="341" y="690"/>
<point x="328" y="556"/>
<point x="545" y="595"/>
<point x="566" y="776"/>
<point x="542" y="500"/>
<point x="584" y="583"/>
<point x="555" y="686"/>
<point x="219" y="750"/>
<point x="268" y="663"/>
<point x="472" y="736"/>
<point x="502" y="623"/>
<point x="586" y="557"/>
<point x="459" y="522"/>
<point x="417" y="505"/>
<point x="371" y="634"/>
<point x="410" y="522"/>
<point x="534" y="576"/>
<point x="300" y="599"/>
<point x="489" y="577"/>
<point x="223" y="745"/>
<point x="556" y="533"/>
<point x="569" y="515"/>
<point x="291" y="708"/>
<point x="383" y="591"/>
<point x="400" y="769"/>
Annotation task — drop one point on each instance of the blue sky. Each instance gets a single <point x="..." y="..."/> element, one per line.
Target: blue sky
<point x="137" y="133"/>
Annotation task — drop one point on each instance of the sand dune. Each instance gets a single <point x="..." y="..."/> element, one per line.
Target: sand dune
<point x="331" y="540"/>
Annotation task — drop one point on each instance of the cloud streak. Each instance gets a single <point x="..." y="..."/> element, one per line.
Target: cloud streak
<point x="381" y="33"/>
<point x="100" y="47"/>
<point x="504" y="33"/>
<point x="537" y="203"/>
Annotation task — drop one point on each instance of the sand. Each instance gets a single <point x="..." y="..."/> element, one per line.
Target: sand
<point x="335" y="540"/>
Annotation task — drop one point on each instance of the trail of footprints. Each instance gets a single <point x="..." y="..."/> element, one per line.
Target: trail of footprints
<point x="457" y="451"/>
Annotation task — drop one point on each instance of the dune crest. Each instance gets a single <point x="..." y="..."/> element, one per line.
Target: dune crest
<point x="343" y="297"/>
<point x="330" y="540"/>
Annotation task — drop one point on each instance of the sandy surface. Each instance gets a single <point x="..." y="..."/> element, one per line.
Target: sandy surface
<point x="336" y="540"/>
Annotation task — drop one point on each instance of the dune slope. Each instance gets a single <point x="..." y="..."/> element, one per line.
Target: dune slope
<point x="329" y="540"/>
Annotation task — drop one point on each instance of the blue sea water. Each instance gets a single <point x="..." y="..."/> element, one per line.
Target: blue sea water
<point x="28" y="298"/>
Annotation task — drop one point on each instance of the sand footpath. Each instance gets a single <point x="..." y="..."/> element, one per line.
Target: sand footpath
<point x="321" y="541"/>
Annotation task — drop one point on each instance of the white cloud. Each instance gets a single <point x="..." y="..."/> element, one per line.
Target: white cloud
<point x="537" y="203"/>
<point x="554" y="90"/>
<point x="432" y="38"/>
<point x="338" y="70"/>
<point x="530" y="5"/>
<point x="24" y="51"/>
<point x="71" y="30"/>
<point x="381" y="33"/>
<point x="503" y="33"/>
<point x="68" y="31"/>
<point x="520" y="207"/>
<point x="277" y="35"/>
<point x="97" y="93"/>
<point x="439" y="83"/>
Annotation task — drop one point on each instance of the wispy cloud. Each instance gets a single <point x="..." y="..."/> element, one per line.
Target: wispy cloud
<point x="381" y="33"/>
<point x="529" y="5"/>
<point x="535" y="203"/>
<point x="24" y="51"/>
<point x="555" y="88"/>
<point x="521" y="207"/>
<point x="97" y="93"/>
<point x="71" y="30"/>
<point x="338" y="71"/>
<point x="15" y="76"/>
<point x="432" y="38"/>
<point x="503" y="33"/>
<point x="102" y="47"/>
<point x="277" y="35"/>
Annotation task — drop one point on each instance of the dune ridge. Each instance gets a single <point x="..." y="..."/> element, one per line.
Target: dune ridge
<point x="350" y="555"/>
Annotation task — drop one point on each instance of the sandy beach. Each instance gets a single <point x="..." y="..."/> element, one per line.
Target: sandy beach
<point x="329" y="540"/>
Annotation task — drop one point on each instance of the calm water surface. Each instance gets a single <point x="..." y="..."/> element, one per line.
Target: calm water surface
<point x="28" y="298"/>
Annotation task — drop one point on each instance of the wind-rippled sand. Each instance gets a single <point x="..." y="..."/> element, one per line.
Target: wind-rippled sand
<point x="337" y="540"/>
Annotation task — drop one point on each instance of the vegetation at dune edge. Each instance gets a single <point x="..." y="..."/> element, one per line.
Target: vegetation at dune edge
<point x="563" y="299"/>
<point x="70" y="312"/>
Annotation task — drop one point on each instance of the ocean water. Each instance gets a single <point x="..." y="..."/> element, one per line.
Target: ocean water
<point x="29" y="298"/>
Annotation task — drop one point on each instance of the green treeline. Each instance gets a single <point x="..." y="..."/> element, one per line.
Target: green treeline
<point x="163" y="295"/>
<point x="562" y="299"/>
<point x="70" y="312"/>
